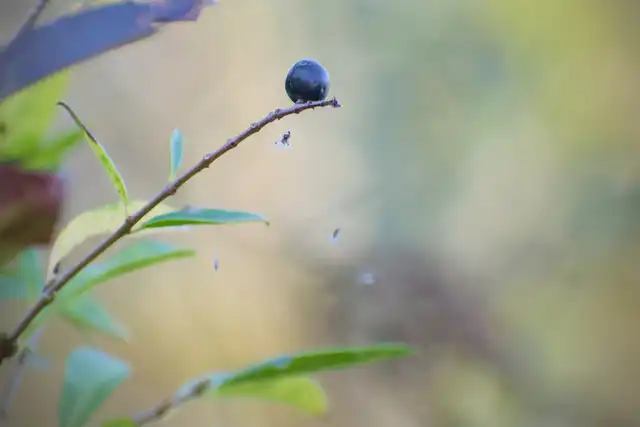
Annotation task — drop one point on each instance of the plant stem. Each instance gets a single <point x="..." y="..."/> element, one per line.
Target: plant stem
<point x="160" y="410"/>
<point x="57" y="283"/>
<point x="16" y="377"/>
<point x="30" y="21"/>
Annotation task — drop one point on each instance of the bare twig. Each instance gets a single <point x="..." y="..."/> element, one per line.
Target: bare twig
<point x="161" y="409"/>
<point x="31" y="20"/>
<point x="12" y="386"/>
<point x="8" y="343"/>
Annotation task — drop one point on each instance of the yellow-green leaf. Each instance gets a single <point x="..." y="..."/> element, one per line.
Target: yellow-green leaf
<point x="302" y="393"/>
<point x="96" y="222"/>
<point x="102" y="155"/>
<point x="51" y="155"/>
<point x="119" y="422"/>
<point x="26" y="116"/>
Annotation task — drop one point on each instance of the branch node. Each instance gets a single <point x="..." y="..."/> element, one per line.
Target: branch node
<point x="163" y="408"/>
<point x="201" y="387"/>
<point x="8" y="347"/>
<point x="48" y="297"/>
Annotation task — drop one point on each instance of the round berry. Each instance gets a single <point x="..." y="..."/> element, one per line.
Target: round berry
<point x="307" y="81"/>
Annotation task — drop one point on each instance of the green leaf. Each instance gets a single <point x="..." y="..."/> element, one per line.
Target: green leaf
<point x="137" y="256"/>
<point x="89" y="379"/>
<point x="120" y="422"/>
<point x="85" y="313"/>
<point x="282" y="379"/>
<point x="311" y="362"/>
<point x="51" y="155"/>
<point x="134" y="257"/>
<point x="26" y="116"/>
<point x="201" y="217"/>
<point x="102" y="155"/>
<point x="176" y="153"/>
<point x="96" y="222"/>
<point x="302" y="393"/>
<point x="25" y="280"/>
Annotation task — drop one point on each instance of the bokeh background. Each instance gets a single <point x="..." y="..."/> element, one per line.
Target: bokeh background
<point x="483" y="172"/>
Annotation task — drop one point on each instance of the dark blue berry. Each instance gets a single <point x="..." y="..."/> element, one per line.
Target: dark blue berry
<point x="307" y="81"/>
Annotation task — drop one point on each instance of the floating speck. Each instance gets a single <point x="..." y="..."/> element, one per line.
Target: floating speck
<point x="335" y="235"/>
<point x="367" y="278"/>
<point x="216" y="263"/>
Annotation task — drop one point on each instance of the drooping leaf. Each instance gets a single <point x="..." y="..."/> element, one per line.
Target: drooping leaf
<point x="24" y="280"/>
<point x="51" y="155"/>
<point x="317" y="361"/>
<point x="302" y="393"/>
<point x="26" y="116"/>
<point x="137" y="256"/>
<point x="89" y="379"/>
<point x="120" y="422"/>
<point x="201" y="217"/>
<point x="96" y="222"/>
<point x="107" y="163"/>
<point x="176" y="153"/>
<point x="86" y="313"/>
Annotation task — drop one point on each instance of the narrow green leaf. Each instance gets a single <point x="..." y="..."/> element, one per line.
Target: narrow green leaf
<point x="90" y="377"/>
<point x="176" y="153"/>
<point x="120" y="422"/>
<point x="26" y="116"/>
<point x="86" y="313"/>
<point x="96" y="222"/>
<point x="52" y="154"/>
<point x="201" y="217"/>
<point x="311" y="362"/>
<point x="102" y="155"/>
<point x="134" y="257"/>
<point x="302" y="393"/>
<point x="137" y="256"/>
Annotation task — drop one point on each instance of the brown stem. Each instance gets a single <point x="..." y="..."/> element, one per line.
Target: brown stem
<point x="58" y="282"/>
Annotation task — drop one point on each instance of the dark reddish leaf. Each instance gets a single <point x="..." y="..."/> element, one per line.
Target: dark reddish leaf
<point x="30" y="203"/>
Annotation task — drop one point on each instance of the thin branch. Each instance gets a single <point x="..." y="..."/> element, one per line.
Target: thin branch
<point x="30" y="20"/>
<point x="13" y="385"/>
<point x="161" y="409"/>
<point x="9" y="342"/>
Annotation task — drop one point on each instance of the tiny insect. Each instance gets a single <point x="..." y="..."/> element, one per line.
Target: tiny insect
<point x="216" y="263"/>
<point x="284" y="139"/>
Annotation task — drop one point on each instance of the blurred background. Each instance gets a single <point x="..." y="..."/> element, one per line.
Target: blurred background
<point x="483" y="173"/>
